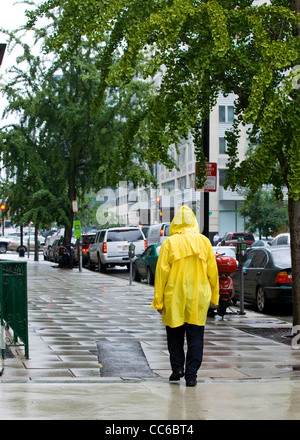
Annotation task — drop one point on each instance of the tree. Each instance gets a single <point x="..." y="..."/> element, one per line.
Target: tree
<point x="203" y="47"/>
<point x="263" y="212"/>
<point x="75" y="146"/>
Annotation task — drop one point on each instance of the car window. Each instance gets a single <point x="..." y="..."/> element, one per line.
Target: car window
<point x="282" y="240"/>
<point x="247" y="237"/>
<point x="282" y="258"/>
<point x="259" y="260"/>
<point x="158" y="249"/>
<point x="102" y="234"/>
<point x="125" y="235"/>
<point x="89" y="239"/>
<point x="167" y="230"/>
<point x="147" y="252"/>
<point x="249" y="259"/>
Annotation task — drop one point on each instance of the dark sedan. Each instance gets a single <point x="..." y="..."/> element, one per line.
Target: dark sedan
<point x="145" y="265"/>
<point x="267" y="277"/>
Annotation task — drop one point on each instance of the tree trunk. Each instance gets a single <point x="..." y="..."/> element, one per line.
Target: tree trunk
<point x="36" y="246"/>
<point x="71" y="196"/>
<point x="294" y="217"/>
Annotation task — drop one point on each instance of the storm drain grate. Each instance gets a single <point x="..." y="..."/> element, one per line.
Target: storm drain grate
<point x="123" y="359"/>
<point x="282" y="335"/>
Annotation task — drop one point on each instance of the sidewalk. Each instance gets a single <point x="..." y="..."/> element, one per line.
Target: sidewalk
<point x="71" y="311"/>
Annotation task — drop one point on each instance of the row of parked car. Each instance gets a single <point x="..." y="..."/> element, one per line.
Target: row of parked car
<point x="267" y="269"/>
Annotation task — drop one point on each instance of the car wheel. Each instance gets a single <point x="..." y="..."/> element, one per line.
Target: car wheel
<point x="261" y="300"/>
<point x="102" y="267"/>
<point x="135" y="274"/>
<point x="150" y="277"/>
<point x="91" y="266"/>
<point x="3" y="248"/>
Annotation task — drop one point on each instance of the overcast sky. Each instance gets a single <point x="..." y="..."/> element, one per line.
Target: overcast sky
<point x="12" y="16"/>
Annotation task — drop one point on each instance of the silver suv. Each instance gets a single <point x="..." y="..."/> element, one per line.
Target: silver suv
<point x="111" y="246"/>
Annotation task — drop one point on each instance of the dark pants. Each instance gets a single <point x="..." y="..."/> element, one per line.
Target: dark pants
<point x="194" y="336"/>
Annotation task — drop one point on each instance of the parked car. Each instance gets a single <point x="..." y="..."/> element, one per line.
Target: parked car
<point x="158" y="233"/>
<point x="231" y="238"/>
<point x="4" y="242"/>
<point x="281" y="239"/>
<point x="267" y="277"/>
<point x="87" y="239"/>
<point x="15" y="243"/>
<point x="48" y="244"/>
<point x="53" y="251"/>
<point x="110" y="247"/>
<point x="259" y="244"/>
<point x="145" y="265"/>
<point x="228" y="251"/>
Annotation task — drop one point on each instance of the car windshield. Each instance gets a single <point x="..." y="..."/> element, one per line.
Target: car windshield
<point x="225" y="251"/>
<point x="248" y="237"/>
<point x="125" y="235"/>
<point x="89" y="239"/>
<point x="282" y="258"/>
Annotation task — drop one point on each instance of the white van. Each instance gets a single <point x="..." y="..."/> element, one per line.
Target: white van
<point x="158" y="233"/>
<point x="110" y="247"/>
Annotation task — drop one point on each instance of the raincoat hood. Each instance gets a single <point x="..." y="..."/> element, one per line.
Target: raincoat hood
<point x="184" y="222"/>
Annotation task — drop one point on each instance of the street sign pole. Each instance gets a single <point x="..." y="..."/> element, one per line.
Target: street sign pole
<point x="77" y="233"/>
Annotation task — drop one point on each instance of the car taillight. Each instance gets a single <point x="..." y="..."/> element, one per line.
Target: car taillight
<point x="145" y="244"/>
<point x="283" y="277"/>
<point x="104" y="248"/>
<point x="161" y="232"/>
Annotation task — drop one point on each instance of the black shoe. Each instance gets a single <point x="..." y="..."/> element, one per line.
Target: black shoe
<point x="191" y="383"/>
<point x="176" y="375"/>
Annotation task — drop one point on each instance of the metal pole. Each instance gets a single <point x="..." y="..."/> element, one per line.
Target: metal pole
<point x="130" y="277"/>
<point x="242" y="310"/>
<point x="79" y="253"/>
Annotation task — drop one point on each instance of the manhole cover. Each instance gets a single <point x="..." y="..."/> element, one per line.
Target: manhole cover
<point x="123" y="359"/>
<point x="282" y="335"/>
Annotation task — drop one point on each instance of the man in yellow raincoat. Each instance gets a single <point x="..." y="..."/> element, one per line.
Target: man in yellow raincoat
<point x="186" y="281"/>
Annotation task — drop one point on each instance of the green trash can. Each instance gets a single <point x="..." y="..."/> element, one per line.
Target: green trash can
<point x="13" y="303"/>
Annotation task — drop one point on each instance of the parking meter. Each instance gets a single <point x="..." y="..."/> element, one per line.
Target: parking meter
<point x="131" y="251"/>
<point x="241" y="252"/>
<point x="131" y="254"/>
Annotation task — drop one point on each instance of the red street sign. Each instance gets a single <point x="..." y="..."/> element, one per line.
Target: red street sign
<point x="74" y="205"/>
<point x="211" y="177"/>
<point x="211" y="173"/>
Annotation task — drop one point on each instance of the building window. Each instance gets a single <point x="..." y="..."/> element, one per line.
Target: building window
<point x="222" y="145"/>
<point x="169" y="186"/>
<point x="222" y="117"/>
<point x="226" y="113"/>
<point x="181" y="156"/>
<point x="181" y="182"/>
<point x="192" y="180"/>
<point x="230" y="113"/>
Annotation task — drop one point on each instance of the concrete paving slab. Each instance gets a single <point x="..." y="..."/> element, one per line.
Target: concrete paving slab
<point x="69" y="312"/>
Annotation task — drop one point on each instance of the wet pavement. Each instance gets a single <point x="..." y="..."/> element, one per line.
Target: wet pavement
<point x="244" y="375"/>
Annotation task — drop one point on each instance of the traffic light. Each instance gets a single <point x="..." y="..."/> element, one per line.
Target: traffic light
<point x="3" y="207"/>
<point x="159" y="206"/>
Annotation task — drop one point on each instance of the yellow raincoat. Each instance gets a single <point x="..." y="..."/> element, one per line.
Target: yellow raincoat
<point x="186" y="277"/>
